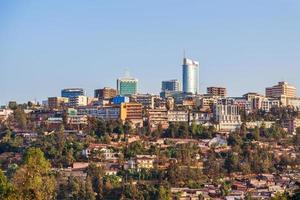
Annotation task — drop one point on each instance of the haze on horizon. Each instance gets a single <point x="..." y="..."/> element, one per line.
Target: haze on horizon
<point x="49" y="45"/>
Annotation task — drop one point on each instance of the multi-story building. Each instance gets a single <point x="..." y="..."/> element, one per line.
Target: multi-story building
<point x="178" y="116"/>
<point x="120" y="99"/>
<point x="127" y="86"/>
<point x="132" y="112"/>
<point x="147" y="100"/>
<point x="291" y="101"/>
<point x="109" y="112"/>
<point x="157" y="117"/>
<point x="267" y="103"/>
<point x="77" y="119"/>
<point x="57" y="102"/>
<point x="170" y="85"/>
<point x="78" y="101"/>
<point x="200" y="118"/>
<point x="227" y="117"/>
<point x="190" y="76"/>
<point x="217" y="91"/>
<point x="206" y="102"/>
<point x="282" y="89"/>
<point x="72" y="92"/>
<point x="291" y="124"/>
<point x="105" y="93"/>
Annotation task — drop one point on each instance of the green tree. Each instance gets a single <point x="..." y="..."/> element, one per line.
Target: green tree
<point x="21" y="118"/>
<point x="6" y="189"/>
<point x="33" y="179"/>
<point x="164" y="193"/>
<point x="89" y="192"/>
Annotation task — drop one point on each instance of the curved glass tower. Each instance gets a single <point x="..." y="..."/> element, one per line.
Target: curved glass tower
<point x="190" y="76"/>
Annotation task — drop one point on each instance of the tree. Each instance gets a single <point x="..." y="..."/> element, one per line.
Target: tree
<point x="164" y="193"/>
<point x="21" y="118"/>
<point x="89" y="192"/>
<point x="6" y="189"/>
<point x="33" y="179"/>
<point x="231" y="162"/>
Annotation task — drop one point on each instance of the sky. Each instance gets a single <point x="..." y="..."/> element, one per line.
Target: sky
<point x="52" y="44"/>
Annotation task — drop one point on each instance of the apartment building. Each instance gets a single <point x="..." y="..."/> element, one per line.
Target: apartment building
<point x="217" y="91"/>
<point x="281" y="89"/>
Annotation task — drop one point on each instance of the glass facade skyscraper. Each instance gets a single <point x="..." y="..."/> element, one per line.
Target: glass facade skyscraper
<point x="127" y="86"/>
<point x="72" y="92"/>
<point x="171" y="85"/>
<point x="190" y="76"/>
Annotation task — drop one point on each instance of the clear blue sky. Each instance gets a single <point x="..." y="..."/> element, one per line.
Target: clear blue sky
<point x="51" y="44"/>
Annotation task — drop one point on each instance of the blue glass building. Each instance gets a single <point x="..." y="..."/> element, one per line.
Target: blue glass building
<point x="72" y="92"/>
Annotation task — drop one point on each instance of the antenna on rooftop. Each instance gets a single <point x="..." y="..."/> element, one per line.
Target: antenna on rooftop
<point x="127" y="74"/>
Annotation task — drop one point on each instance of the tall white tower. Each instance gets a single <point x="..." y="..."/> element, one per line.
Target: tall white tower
<point x="190" y="76"/>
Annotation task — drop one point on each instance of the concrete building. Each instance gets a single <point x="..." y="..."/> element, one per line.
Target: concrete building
<point x="127" y="86"/>
<point x="109" y="112"/>
<point x="178" y="116"/>
<point x="217" y="91"/>
<point x="157" y="117"/>
<point x="291" y="125"/>
<point x="227" y="117"/>
<point x="170" y="85"/>
<point x="78" y="101"/>
<point x="57" y="102"/>
<point x="206" y="102"/>
<point x="145" y="161"/>
<point x="147" y="100"/>
<point x="102" y="112"/>
<point x="72" y="92"/>
<point x="282" y="89"/>
<point x="105" y="93"/>
<point x="292" y="102"/>
<point x="190" y="76"/>
<point x="132" y="112"/>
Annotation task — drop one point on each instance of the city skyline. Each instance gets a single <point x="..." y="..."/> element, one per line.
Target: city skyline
<point x="48" y="46"/>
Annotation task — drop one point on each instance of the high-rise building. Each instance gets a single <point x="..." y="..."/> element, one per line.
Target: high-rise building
<point x="170" y="85"/>
<point x="127" y="86"/>
<point x="190" y="76"/>
<point x="217" y="91"/>
<point x="105" y="93"/>
<point x="72" y="92"/>
<point x="282" y="89"/>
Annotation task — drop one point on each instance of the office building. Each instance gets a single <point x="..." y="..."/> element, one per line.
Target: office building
<point x="217" y="91"/>
<point x="105" y="93"/>
<point x="171" y="85"/>
<point x="127" y="86"/>
<point x="72" y="92"/>
<point x="190" y="76"/>
<point x="282" y="89"/>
